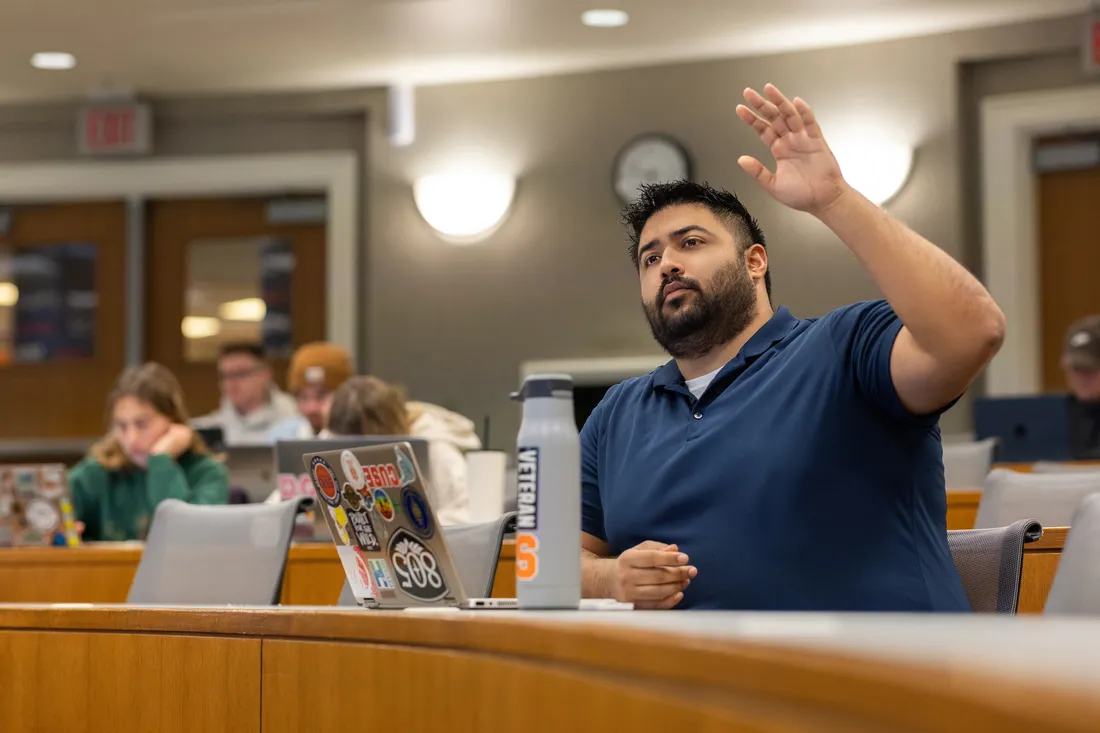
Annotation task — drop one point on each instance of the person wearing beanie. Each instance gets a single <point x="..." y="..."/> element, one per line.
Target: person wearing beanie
<point x="1081" y="366"/>
<point x="316" y="371"/>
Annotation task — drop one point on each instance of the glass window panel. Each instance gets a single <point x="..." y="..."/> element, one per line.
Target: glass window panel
<point x="48" y="302"/>
<point x="237" y="290"/>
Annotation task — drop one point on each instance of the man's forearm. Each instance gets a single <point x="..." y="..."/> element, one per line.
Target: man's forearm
<point x="946" y="309"/>
<point x="596" y="576"/>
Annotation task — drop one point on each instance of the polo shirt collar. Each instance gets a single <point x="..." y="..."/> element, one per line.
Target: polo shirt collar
<point x="775" y="330"/>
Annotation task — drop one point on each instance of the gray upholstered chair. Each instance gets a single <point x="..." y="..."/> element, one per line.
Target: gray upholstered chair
<point x="475" y="549"/>
<point x="990" y="563"/>
<point x="966" y="465"/>
<point x="1049" y="498"/>
<point x="1076" y="588"/>
<point x="214" y="555"/>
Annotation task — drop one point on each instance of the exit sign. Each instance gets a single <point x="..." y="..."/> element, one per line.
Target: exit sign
<point x="115" y="129"/>
<point x="1091" y="45"/>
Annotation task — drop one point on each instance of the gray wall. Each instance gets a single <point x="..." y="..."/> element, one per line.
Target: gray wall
<point x="454" y="323"/>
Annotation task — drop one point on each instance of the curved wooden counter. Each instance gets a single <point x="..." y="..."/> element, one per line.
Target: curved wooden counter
<point x="281" y="671"/>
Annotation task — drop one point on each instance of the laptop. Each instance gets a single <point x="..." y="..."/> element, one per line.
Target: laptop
<point x="251" y="470"/>
<point x="293" y="482"/>
<point x="394" y="555"/>
<point x="36" y="508"/>
<point x="1029" y="428"/>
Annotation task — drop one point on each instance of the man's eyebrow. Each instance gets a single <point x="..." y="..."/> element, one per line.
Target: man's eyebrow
<point x="689" y="228"/>
<point x="678" y="233"/>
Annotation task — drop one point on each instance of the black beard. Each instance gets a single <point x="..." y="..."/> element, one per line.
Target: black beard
<point x="693" y="329"/>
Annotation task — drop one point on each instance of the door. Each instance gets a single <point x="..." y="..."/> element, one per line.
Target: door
<point x="228" y="270"/>
<point x="62" y="317"/>
<point x="1069" y="259"/>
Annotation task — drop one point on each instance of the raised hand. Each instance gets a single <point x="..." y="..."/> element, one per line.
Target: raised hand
<point x="807" y="176"/>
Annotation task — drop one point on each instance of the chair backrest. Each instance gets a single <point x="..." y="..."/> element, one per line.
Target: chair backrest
<point x="1049" y="498"/>
<point x="966" y="465"/>
<point x="475" y="549"/>
<point x="1059" y="467"/>
<point x="990" y="562"/>
<point x="214" y="555"/>
<point x="1076" y="588"/>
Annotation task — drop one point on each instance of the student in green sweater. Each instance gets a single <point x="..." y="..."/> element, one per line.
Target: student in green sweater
<point x="149" y="455"/>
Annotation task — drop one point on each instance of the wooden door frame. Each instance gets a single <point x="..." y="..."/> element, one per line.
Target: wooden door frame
<point x="1010" y="231"/>
<point x="334" y="173"/>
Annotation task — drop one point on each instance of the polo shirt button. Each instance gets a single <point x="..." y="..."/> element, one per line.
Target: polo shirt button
<point x="698" y="416"/>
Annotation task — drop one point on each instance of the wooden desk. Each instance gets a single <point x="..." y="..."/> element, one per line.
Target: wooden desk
<point x="102" y="573"/>
<point x="962" y="507"/>
<point x="296" y="670"/>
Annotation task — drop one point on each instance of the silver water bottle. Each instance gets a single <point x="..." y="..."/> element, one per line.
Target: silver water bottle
<point x="548" y="475"/>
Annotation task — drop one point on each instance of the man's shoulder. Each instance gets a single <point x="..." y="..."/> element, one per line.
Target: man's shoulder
<point x="626" y="393"/>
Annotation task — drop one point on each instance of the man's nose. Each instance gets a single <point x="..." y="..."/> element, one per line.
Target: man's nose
<point x="670" y="266"/>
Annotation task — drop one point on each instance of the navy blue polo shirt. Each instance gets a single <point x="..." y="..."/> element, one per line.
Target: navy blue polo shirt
<point x="798" y="481"/>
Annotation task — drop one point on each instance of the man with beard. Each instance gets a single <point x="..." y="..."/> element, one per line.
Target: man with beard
<point x="778" y="463"/>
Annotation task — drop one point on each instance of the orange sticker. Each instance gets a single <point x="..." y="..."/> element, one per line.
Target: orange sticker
<point x="527" y="556"/>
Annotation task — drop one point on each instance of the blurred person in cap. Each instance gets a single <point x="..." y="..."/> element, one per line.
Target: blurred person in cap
<point x="1081" y="365"/>
<point x="251" y="402"/>
<point x="316" y="371"/>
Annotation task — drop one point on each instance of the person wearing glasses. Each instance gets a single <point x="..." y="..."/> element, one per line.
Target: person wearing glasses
<point x="251" y="402"/>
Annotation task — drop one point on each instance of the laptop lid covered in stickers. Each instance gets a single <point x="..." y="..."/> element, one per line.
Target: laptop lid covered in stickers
<point x="386" y="534"/>
<point x="36" y="508"/>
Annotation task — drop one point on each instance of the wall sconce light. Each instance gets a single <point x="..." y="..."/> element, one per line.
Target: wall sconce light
<point x="464" y="207"/>
<point x="875" y="163"/>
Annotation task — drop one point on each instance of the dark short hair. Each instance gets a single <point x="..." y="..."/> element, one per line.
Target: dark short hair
<point x="726" y="206"/>
<point x="250" y="348"/>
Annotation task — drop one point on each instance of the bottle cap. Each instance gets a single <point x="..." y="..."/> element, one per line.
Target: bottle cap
<point x="545" y="385"/>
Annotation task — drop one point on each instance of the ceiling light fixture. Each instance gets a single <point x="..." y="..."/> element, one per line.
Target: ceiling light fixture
<point x="464" y="207"/>
<point x="604" y="18"/>
<point x="9" y="295"/>
<point x="247" y="309"/>
<point x="53" y="60"/>
<point x="200" y="327"/>
<point x="874" y="162"/>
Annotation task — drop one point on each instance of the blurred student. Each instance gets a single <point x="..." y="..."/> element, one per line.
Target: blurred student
<point x="371" y="406"/>
<point x="316" y="371"/>
<point x="1081" y="365"/>
<point x="251" y="402"/>
<point x="149" y="455"/>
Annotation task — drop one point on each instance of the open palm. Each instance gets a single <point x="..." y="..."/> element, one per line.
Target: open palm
<point x="806" y="176"/>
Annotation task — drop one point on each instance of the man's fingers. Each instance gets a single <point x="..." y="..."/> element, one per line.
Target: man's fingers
<point x="761" y="126"/>
<point x="655" y="558"/>
<point x="756" y="169"/>
<point x="808" y="117"/>
<point x="656" y="592"/>
<point x="767" y="110"/>
<point x="669" y="602"/>
<point x="791" y="118"/>
<point x="658" y="576"/>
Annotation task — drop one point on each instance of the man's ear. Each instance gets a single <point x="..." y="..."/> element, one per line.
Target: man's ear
<point x="756" y="260"/>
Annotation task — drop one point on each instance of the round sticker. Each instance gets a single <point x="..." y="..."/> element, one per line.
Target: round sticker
<point x="417" y="509"/>
<point x="42" y="516"/>
<point x="383" y="504"/>
<point x="324" y="480"/>
<point x="418" y="572"/>
<point x="353" y="469"/>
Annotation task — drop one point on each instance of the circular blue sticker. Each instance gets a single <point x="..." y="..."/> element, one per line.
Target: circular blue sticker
<point x="417" y="510"/>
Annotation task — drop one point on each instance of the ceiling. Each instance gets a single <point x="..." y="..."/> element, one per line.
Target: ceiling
<point x="187" y="46"/>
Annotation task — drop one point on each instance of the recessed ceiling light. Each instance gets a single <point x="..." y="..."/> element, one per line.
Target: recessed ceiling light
<point x="53" y="60"/>
<point x="604" y="18"/>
